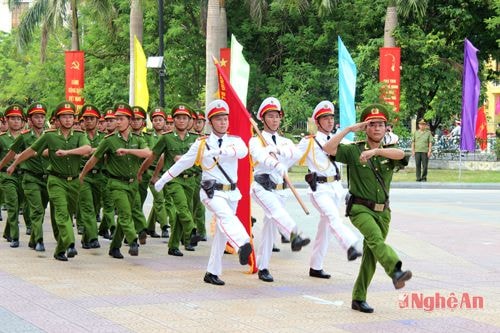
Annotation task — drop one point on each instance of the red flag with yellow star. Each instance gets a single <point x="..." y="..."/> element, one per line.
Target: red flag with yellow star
<point x="481" y="128"/>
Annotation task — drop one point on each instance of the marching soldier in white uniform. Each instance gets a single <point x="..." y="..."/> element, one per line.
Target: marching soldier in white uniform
<point x="325" y="191"/>
<point x="272" y="159"/>
<point x="218" y="156"/>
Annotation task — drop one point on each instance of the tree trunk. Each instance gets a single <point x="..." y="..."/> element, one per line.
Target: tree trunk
<point x="75" y="39"/>
<point x="136" y="29"/>
<point x="216" y="39"/>
<point x="391" y="22"/>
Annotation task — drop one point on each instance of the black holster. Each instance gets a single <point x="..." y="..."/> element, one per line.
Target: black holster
<point x="348" y="203"/>
<point x="265" y="181"/>
<point x="312" y="179"/>
<point x="209" y="187"/>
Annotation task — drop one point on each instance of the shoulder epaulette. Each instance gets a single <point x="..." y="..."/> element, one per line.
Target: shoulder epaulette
<point x="78" y="130"/>
<point x="108" y="135"/>
<point x="25" y="131"/>
<point x="202" y="137"/>
<point x="166" y="132"/>
<point x="3" y="133"/>
<point x="50" y="130"/>
<point x="310" y="136"/>
<point x="136" y="134"/>
<point x="194" y="132"/>
<point x="146" y="133"/>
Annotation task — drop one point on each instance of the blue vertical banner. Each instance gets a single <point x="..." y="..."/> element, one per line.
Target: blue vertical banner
<point x="470" y="97"/>
<point x="347" y="88"/>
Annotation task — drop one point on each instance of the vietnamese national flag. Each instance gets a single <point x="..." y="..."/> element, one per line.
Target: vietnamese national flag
<point x="239" y="124"/>
<point x="481" y="128"/>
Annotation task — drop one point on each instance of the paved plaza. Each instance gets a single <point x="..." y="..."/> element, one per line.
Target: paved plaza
<point x="449" y="238"/>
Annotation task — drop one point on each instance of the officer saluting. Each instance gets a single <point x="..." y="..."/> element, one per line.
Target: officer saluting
<point x="326" y="191"/>
<point x="218" y="156"/>
<point x="370" y="167"/>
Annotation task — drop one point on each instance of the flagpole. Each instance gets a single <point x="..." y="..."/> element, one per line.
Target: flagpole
<point x="259" y="134"/>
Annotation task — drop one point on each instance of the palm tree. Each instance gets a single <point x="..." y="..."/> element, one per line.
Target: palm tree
<point x="405" y="8"/>
<point x="216" y="39"/>
<point x="51" y="14"/>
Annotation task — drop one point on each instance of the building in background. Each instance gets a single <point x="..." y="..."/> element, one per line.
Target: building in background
<point x="10" y="19"/>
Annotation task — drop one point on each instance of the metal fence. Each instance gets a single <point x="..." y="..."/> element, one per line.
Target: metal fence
<point x="446" y="148"/>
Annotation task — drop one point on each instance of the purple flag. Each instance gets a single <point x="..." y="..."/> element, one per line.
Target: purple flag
<point x="470" y="97"/>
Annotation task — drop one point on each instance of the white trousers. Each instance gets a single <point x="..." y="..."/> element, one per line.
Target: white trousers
<point x="228" y="229"/>
<point x="275" y="216"/>
<point x="329" y="201"/>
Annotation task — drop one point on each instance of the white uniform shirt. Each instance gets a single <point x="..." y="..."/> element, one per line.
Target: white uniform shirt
<point x="265" y="163"/>
<point x="317" y="159"/>
<point x="230" y="143"/>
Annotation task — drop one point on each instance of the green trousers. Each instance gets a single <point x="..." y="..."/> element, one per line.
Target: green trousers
<point x="37" y="198"/>
<point x="158" y="211"/>
<point x="374" y="226"/>
<point x="124" y="195"/>
<point x="169" y="206"/>
<point x="181" y="191"/>
<point x="10" y="186"/>
<point x="108" y="208"/>
<point x="86" y="203"/>
<point x="63" y="195"/>
<point x="198" y="207"/>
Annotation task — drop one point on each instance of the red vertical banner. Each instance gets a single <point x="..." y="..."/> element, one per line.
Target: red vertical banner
<point x="225" y="61"/>
<point x="75" y="75"/>
<point x="390" y="61"/>
<point x="239" y="124"/>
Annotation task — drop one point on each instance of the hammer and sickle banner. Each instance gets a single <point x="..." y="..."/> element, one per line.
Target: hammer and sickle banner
<point x="390" y="60"/>
<point x="75" y="75"/>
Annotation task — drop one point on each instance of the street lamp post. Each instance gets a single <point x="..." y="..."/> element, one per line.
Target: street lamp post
<point x="160" y="51"/>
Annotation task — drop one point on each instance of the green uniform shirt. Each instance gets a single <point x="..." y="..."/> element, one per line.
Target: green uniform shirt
<point x="125" y="166"/>
<point x="54" y="140"/>
<point x="37" y="164"/>
<point x="6" y="140"/>
<point x="422" y="140"/>
<point x="94" y="143"/>
<point x="171" y="145"/>
<point x="362" y="180"/>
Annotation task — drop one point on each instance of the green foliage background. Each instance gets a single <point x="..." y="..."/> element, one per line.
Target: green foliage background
<point x="292" y="54"/>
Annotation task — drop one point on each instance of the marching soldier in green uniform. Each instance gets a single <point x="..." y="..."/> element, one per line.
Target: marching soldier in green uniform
<point x="66" y="148"/>
<point x="173" y="145"/>
<point x="108" y="225"/>
<point x="158" y="211"/>
<point x="124" y="152"/>
<point x="10" y="185"/>
<point x="91" y="188"/>
<point x="137" y="123"/>
<point x="198" y="207"/>
<point x="34" y="183"/>
<point x="3" y="129"/>
<point x="370" y="167"/>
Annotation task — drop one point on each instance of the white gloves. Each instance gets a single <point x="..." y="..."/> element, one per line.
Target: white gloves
<point x="271" y="149"/>
<point x="211" y="153"/>
<point x="162" y="181"/>
<point x="281" y="168"/>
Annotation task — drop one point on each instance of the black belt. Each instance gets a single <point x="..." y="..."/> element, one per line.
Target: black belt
<point x="264" y="179"/>
<point x="376" y="207"/>
<point x="329" y="179"/>
<point x="223" y="187"/>
<point x="36" y="175"/>
<point x="65" y="177"/>
<point x="123" y="179"/>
